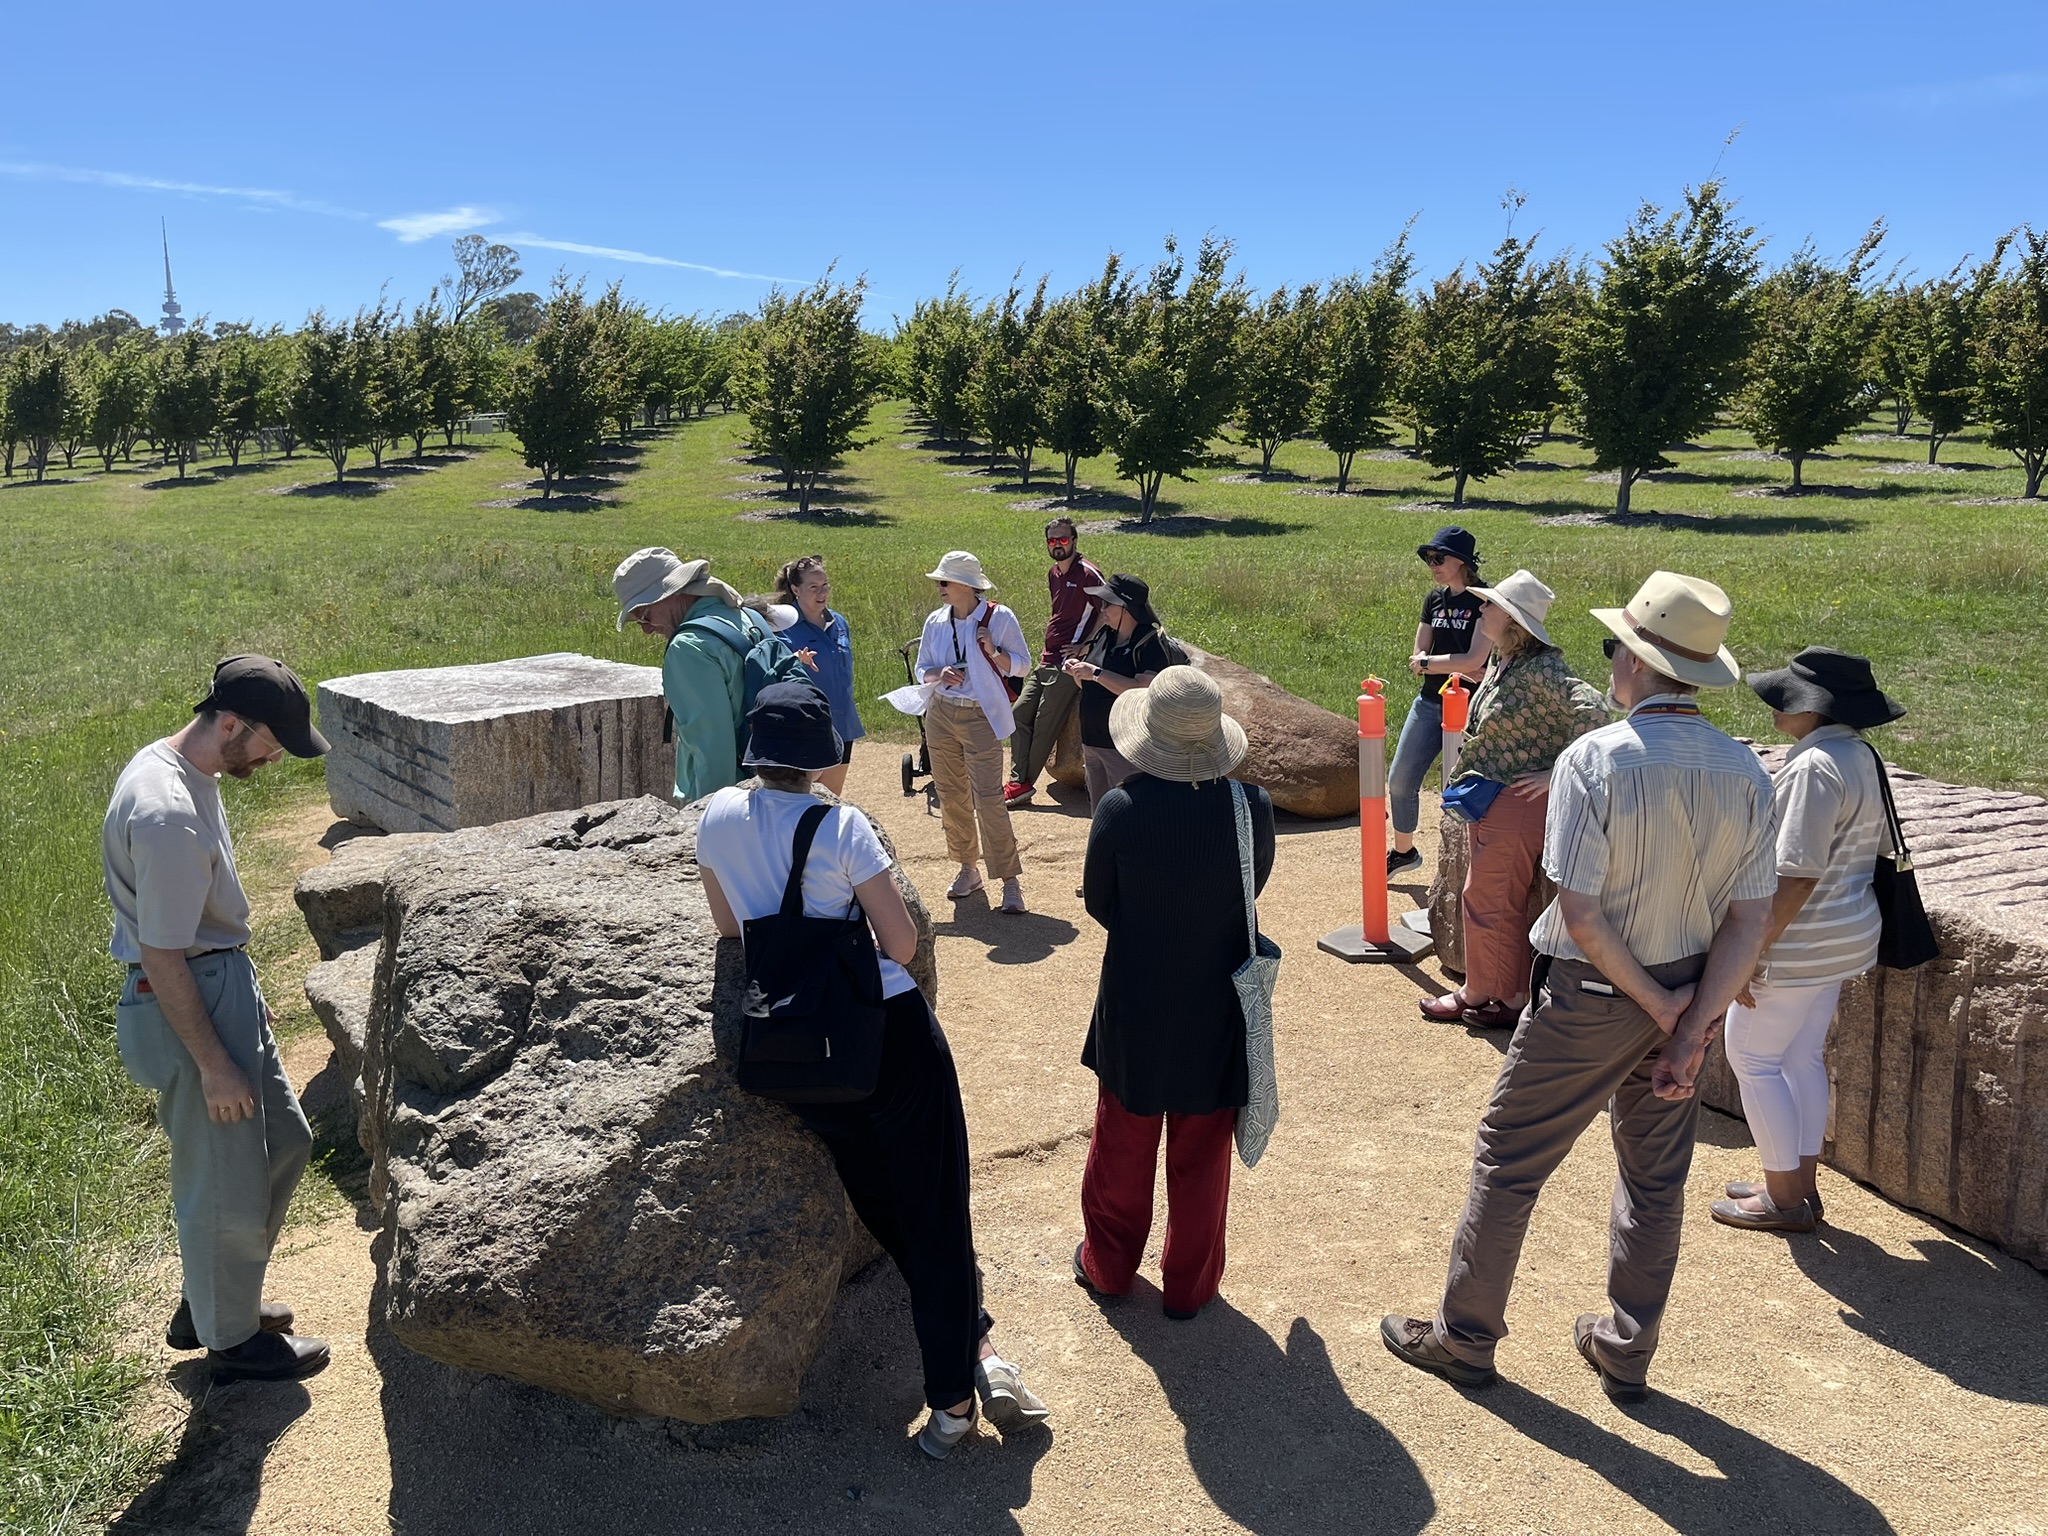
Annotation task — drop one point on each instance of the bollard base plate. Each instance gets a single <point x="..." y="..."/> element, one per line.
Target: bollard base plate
<point x="1403" y="945"/>
<point x="1416" y="921"/>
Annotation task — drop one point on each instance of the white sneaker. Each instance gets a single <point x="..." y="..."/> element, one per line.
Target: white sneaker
<point x="942" y="1432"/>
<point x="1013" y="896"/>
<point x="1009" y="1404"/>
<point x="966" y="883"/>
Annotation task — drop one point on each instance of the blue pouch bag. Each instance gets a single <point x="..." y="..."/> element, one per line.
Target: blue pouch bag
<point x="1470" y="799"/>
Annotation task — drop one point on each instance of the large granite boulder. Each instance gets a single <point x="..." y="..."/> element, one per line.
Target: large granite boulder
<point x="1940" y="1102"/>
<point x="343" y="899"/>
<point x="1301" y="754"/>
<point x="575" y="1193"/>
<point x="1446" y="893"/>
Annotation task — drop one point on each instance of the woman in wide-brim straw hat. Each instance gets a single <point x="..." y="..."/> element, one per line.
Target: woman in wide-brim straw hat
<point x="1528" y="708"/>
<point x="1824" y="925"/>
<point x="969" y="646"/>
<point x="1167" y="1040"/>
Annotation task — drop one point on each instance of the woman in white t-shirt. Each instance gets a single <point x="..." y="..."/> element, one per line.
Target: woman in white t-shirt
<point x="902" y="1151"/>
<point x="1825" y="926"/>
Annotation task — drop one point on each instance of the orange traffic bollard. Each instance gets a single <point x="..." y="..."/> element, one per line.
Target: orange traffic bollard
<point x="1372" y="939"/>
<point x="1457" y="700"/>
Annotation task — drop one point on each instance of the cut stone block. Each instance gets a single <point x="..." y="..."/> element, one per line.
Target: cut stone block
<point x="439" y="748"/>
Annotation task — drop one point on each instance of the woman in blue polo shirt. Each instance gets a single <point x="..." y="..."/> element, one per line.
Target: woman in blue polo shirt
<point x="824" y="635"/>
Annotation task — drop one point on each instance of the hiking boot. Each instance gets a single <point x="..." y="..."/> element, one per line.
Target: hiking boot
<point x="1414" y="1340"/>
<point x="1396" y="862"/>
<point x="1617" y="1390"/>
<point x="271" y="1317"/>
<point x="1009" y="1404"/>
<point x="268" y="1357"/>
<point x="1017" y="792"/>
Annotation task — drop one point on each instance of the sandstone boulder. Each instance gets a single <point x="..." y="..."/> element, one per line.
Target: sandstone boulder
<point x="575" y="1193"/>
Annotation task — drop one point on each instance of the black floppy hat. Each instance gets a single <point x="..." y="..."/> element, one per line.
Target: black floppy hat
<point x="1825" y="681"/>
<point x="791" y="727"/>
<point x="1130" y="592"/>
<point x="1452" y="540"/>
<point x="267" y="693"/>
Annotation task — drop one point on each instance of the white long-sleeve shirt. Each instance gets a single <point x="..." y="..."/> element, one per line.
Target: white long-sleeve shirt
<point x="953" y="642"/>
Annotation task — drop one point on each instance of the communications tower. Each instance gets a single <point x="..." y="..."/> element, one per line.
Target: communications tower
<point x="174" y="317"/>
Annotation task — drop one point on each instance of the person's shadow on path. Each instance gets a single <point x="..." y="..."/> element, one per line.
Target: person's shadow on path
<point x="213" y="1481"/>
<point x="1271" y="1433"/>
<point x="1973" y="1314"/>
<point x="1760" y="1487"/>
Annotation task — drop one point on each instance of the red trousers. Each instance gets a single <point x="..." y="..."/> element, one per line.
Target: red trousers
<point x="1505" y="849"/>
<point x="1116" y="1199"/>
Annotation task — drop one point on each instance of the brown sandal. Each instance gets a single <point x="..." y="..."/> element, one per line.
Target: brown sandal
<point x="1442" y="1010"/>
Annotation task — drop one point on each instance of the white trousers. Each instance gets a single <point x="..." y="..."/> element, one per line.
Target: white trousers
<point x="1776" y="1051"/>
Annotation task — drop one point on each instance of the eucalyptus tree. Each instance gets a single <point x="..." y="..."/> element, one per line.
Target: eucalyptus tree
<point x="1363" y="321"/>
<point x="1004" y="392"/>
<point x="807" y="376"/>
<point x="1807" y="364"/>
<point x="1276" y="369"/>
<point x="553" y="395"/>
<point x="1662" y="344"/>
<point x="184" y="396"/>
<point x="483" y="270"/>
<point x="2011" y="313"/>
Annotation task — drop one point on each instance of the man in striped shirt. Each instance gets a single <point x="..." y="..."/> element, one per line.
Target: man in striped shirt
<point x="1660" y="837"/>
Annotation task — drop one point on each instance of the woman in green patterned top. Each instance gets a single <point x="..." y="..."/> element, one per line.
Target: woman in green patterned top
<point x="1527" y="709"/>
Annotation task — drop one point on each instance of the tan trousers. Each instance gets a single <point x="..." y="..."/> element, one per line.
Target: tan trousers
<point x="967" y="765"/>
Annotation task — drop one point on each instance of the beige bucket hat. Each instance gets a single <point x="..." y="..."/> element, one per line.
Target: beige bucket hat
<point x="1524" y="599"/>
<point x="646" y="576"/>
<point x="962" y="567"/>
<point x="1677" y="625"/>
<point x="1176" y="728"/>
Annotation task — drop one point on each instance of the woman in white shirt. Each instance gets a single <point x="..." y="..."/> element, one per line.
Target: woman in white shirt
<point x="1824" y="926"/>
<point x="969" y="647"/>
<point x="902" y="1151"/>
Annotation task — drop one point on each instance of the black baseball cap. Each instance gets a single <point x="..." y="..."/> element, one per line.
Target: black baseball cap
<point x="792" y="728"/>
<point x="267" y="693"/>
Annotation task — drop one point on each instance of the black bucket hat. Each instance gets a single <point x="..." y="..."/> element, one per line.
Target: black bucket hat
<point x="1130" y="592"/>
<point x="1828" y="682"/>
<point x="266" y="692"/>
<point x="1452" y="540"/>
<point x="791" y="726"/>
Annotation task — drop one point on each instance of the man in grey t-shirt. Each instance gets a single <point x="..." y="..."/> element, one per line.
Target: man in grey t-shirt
<point x="192" y="1024"/>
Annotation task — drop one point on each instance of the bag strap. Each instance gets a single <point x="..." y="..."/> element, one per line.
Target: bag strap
<point x="1901" y="855"/>
<point x="1241" y="806"/>
<point x="738" y="636"/>
<point x="799" y="853"/>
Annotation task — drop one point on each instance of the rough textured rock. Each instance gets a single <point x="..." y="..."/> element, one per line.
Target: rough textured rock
<point x="436" y="748"/>
<point x="575" y="1192"/>
<point x="1940" y="1096"/>
<point x="1301" y="754"/>
<point x="338" y="991"/>
<point x="343" y="899"/>
<point x="1446" y="909"/>
<point x="1066" y="764"/>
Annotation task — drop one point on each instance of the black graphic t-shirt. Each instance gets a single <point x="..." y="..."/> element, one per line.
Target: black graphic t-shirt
<point x="1152" y="652"/>
<point x="1452" y="619"/>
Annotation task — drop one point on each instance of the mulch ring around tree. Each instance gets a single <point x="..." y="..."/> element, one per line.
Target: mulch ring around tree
<point x="331" y="488"/>
<point x="1920" y="469"/>
<point x="561" y="501"/>
<point x="1178" y="524"/>
<point x="820" y="517"/>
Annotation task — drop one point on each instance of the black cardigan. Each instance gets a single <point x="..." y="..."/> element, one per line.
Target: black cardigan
<point x="1162" y="877"/>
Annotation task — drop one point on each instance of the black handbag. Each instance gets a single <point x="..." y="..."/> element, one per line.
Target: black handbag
<point x="1907" y="938"/>
<point x="812" y="1014"/>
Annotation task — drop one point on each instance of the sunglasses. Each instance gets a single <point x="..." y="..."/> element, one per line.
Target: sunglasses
<point x="1439" y="559"/>
<point x="1609" y="647"/>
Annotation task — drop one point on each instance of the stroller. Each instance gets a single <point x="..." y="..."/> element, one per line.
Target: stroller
<point x="917" y="765"/>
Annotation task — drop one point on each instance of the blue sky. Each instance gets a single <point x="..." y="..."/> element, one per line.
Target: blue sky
<point x="309" y="155"/>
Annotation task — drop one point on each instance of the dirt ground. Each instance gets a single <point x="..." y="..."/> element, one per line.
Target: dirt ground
<point x="1883" y="1375"/>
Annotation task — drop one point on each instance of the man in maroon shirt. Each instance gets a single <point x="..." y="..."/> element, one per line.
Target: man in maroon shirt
<point x="1048" y="692"/>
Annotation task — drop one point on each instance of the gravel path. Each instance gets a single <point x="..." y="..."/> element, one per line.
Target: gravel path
<point x="1884" y="1375"/>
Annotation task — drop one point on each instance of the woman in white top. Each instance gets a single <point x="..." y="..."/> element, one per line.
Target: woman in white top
<point x="902" y="1151"/>
<point x="969" y="647"/>
<point x="1824" y="926"/>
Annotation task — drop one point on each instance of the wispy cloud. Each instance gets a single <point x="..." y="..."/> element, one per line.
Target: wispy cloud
<point x="261" y="197"/>
<point x="412" y="228"/>
<point x="1985" y="90"/>
<point x="641" y="258"/>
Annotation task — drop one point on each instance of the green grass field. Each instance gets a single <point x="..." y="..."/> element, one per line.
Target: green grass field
<point x="120" y="591"/>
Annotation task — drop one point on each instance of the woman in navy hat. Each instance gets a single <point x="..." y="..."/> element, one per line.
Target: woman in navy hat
<point x="1447" y="641"/>
<point x="1824" y="926"/>
<point x="901" y="1151"/>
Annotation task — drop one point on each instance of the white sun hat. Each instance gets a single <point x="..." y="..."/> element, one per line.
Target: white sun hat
<point x="962" y="567"/>
<point x="1524" y="599"/>
<point x="1677" y="625"/>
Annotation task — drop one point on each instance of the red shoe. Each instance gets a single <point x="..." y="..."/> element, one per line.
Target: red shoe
<point x="1447" y="1009"/>
<point x="1016" y="792"/>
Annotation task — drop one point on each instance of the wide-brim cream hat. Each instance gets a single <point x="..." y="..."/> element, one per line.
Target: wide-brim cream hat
<point x="1524" y="599"/>
<point x="1677" y="625"/>
<point x="1176" y="728"/>
<point x="962" y="567"/>
<point x="646" y="576"/>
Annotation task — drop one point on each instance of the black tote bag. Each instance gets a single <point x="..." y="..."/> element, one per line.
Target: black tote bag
<point x="812" y="1014"/>
<point x="1907" y="939"/>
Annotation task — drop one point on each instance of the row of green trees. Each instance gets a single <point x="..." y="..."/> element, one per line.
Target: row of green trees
<point x="1674" y="329"/>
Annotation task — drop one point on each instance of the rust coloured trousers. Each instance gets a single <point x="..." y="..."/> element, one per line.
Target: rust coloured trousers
<point x="1116" y="1199"/>
<point x="1506" y="848"/>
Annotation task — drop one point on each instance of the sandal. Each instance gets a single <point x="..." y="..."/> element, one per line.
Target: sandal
<point x="1492" y="1014"/>
<point x="1447" y="1009"/>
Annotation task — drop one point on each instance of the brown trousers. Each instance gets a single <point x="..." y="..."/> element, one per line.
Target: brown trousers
<point x="967" y="765"/>
<point x="1575" y="1053"/>
<point x="1499" y="874"/>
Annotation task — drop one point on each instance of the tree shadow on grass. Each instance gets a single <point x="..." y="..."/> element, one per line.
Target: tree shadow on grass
<point x="1273" y="1437"/>
<point x="1755" y="524"/>
<point x="559" y="502"/>
<point x="574" y="485"/>
<point x="1782" y="492"/>
<point x="189" y="483"/>
<point x="1199" y="525"/>
<point x="817" y="517"/>
<point x="345" y="488"/>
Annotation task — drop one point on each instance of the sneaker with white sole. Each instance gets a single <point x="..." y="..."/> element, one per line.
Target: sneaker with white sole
<point x="942" y="1431"/>
<point x="1009" y="1404"/>
<point x="1013" y="896"/>
<point x="965" y="884"/>
<point x="1017" y="792"/>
